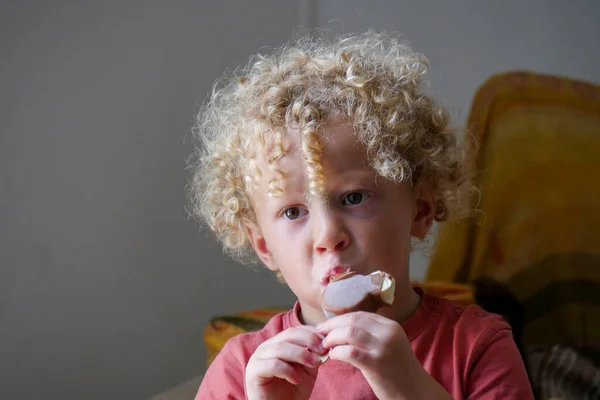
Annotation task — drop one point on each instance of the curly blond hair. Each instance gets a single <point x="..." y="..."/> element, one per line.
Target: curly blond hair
<point x="372" y="80"/>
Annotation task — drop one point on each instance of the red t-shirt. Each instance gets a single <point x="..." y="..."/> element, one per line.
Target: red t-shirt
<point x="470" y="352"/>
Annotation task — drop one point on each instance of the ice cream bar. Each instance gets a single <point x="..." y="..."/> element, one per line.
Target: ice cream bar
<point x="350" y="292"/>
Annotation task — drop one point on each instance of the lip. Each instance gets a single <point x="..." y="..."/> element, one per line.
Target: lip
<point x="334" y="271"/>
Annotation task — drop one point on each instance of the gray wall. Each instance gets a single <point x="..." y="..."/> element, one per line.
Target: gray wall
<point x="105" y="286"/>
<point x="467" y="41"/>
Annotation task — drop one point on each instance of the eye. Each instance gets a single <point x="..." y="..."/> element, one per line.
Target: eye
<point x="293" y="213"/>
<point x="354" y="198"/>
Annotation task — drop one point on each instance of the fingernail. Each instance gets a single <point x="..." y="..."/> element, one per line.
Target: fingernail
<point x="319" y="327"/>
<point x="314" y="360"/>
<point x="318" y="348"/>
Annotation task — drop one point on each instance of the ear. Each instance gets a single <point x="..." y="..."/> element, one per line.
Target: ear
<point x="424" y="211"/>
<point x="260" y="246"/>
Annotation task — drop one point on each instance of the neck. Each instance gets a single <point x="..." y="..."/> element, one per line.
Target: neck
<point x="406" y="302"/>
<point x="309" y="315"/>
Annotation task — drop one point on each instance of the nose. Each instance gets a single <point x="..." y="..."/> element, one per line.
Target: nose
<point x="330" y="232"/>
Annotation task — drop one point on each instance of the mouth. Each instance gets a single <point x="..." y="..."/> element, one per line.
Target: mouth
<point x="333" y="272"/>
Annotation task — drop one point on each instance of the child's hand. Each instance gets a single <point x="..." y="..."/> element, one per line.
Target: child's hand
<point x="285" y="366"/>
<point x="380" y="349"/>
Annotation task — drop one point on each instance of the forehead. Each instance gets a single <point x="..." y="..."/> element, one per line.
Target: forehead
<point x="343" y="157"/>
<point x="340" y="151"/>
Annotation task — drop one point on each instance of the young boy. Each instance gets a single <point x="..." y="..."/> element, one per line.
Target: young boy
<point x="326" y="157"/>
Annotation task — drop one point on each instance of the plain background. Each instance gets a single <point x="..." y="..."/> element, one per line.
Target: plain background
<point x="105" y="284"/>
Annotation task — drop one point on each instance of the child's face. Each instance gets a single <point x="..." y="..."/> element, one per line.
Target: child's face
<point x="365" y="225"/>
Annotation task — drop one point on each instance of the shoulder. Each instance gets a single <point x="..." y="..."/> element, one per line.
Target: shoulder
<point x="494" y="365"/>
<point x="224" y="378"/>
<point x="468" y="331"/>
<point x="483" y="346"/>
<point x="476" y="320"/>
<point x="471" y="322"/>
<point x="241" y="347"/>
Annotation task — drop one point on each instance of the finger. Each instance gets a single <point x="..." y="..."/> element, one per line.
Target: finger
<point x="350" y="334"/>
<point x="288" y="352"/>
<point x="355" y="356"/>
<point x="266" y="370"/>
<point x="305" y="375"/>
<point x="302" y="336"/>
<point x="366" y="320"/>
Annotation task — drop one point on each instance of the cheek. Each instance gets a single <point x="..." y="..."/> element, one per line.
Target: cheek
<point x="389" y="233"/>
<point x="288" y="240"/>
